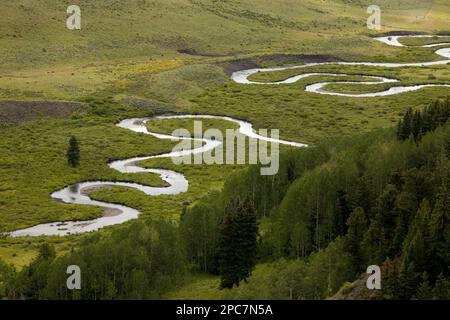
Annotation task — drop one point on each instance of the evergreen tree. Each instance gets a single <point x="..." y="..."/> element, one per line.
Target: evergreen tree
<point x="391" y="278"/>
<point x="343" y="211"/>
<point x="415" y="246"/>
<point x="47" y="251"/>
<point x="439" y="228"/>
<point x="378" y="239"/>
<point x="409" y="281"/>
<point x="237" y="245"/>
<point x="73" y="152"/>
<point x="425" y="291"/>
<point x="400" y="135"/>
<point x="416" y="126"/>
<point x="441" y="290"/>
<point x="357" y="226"/>
<point x="8" y="286"/>
<point x="405" y="125"/>
<point x="417" y="123"/>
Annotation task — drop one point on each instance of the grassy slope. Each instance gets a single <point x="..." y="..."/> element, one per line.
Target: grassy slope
<point x="120" y="40"/>
<point x="132" y="49"/>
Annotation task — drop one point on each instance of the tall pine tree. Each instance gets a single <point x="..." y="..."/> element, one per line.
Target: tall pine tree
<point x="237" y="247"/>
<point x="73" y="152"/>
<point x="357" y="225"/>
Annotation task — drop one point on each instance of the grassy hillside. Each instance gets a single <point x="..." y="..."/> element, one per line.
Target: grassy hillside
<point x="120" y="41"/>
<point x="35" y="34"/>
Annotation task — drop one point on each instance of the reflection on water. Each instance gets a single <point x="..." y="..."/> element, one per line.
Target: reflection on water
<point x="74" y="188"/>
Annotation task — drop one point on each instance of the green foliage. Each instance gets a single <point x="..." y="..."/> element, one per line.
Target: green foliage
<point x="441" y="290"/>
<point x="47" y="251"/>
<point x="357" y="225"/>
<point x="142" y="261"/>
<point x="416" y="124"/>
<point x="199" y="223"/>
<point x="425" y="291"/>
<point x="391" y="194"/>
<point x="237" y="244"/>
<point x="7" y="276"/>
<point x="315" y="277"/>
<point x="199" y="229"/>
<point x="73" y="152"/>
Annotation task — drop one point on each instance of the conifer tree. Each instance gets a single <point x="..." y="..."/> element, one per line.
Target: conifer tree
<point x="343" y="211"/>
<point x="378" y="238"/>
<point x="400" y="134"/>
<point x="439" y="228"/>
<point x="237" y="245"/>
<point x="425" y="291"/>
<point x="407" y="124"/>
<point x="357" y="226"/>
<point x="417" y="123"/>
<point x="441" y="290"/>
<point x="416" y="126"/>
<point x="415" y="250"/>
<point x="73" y="152"/>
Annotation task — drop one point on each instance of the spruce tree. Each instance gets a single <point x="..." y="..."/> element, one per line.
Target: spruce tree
<point x="47" y="251"/>
<point x="378" y="238"/>
<point x="237" y="246"/>
<point x="416" y="126"/>
<point x="357" y="225"/>
<point x="425" y="291"/>
<point x="420" y="122"/>
<point x="343" y="211"/>
<point x="73" y="152"/>
<point x="407" y="124"/>
<point x="400" y="134"/>
<point x="415" y="247"/>
<point x="439" y="228"/>
<point x="441" y="290"/>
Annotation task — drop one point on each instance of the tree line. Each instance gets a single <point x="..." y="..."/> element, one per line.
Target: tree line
<point x="139" y="261"/>
<point x="416" y="123"/>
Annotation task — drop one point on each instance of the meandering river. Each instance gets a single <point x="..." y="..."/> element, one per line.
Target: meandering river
<point x="176" y="182"/>
<point x="243" y="75"/>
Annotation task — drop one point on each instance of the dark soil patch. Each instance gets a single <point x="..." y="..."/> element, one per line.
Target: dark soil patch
<point x="12" y="111"/>
<point x="284" y="59"/>
<point x="232" y="66"/>
<point x="275" y="60"/>
<point x="399" y="33"/>
<point x="193" y="52"/>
